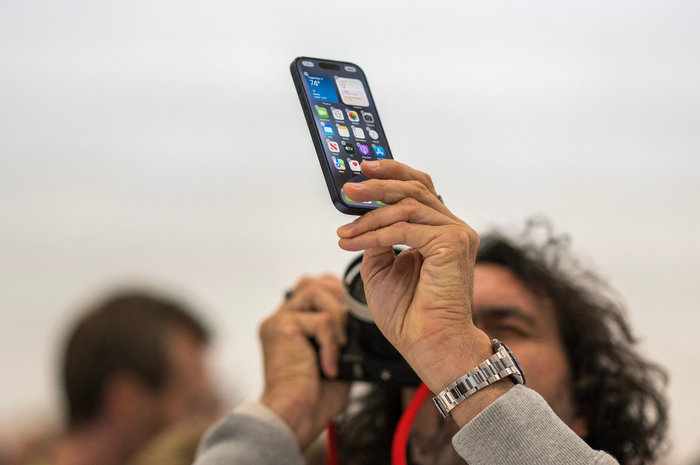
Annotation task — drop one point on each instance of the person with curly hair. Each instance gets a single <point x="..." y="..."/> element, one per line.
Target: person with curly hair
<point x="600" y="386"/>
<point x="590" y="397"/>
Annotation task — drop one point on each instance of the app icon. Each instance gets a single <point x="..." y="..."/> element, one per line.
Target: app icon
<point x="354" y="164"/>
<point x="339" y="163"/>
<point x="337" y="114"/>
<point x="352" y="116"/>
<point x="367" y="117"/>
<point x="322" y="112"/>
<point x="373" y="134"/>
<point x="379" y="151"/>
<point x="358" y="132"/>
<point x="343" y="131"/>
<point x="333" y="146"/>
<point x="364" y="150"/>
<point x="328" y="130"/>
<point x="349" y="148"/>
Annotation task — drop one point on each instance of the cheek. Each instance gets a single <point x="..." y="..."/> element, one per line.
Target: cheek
<point x="546" y="371"/>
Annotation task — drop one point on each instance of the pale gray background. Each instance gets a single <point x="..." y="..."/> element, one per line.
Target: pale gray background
<point x="163" y="143"/>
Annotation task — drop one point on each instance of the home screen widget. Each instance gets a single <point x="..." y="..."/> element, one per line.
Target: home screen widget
<point x="354" y="164"/>
<point x="321" y="88"/>
<point x="379" y="151"/>
<point x="358" y="132"/>
<point x="364" y="150"/>
<point x="322" y="112"/>
<point x="349" y="148"/>
<point x="367" y="117"/>
<point x="352" y="116"/>
<point x="328" y="130"/>
<point x="333" y="146"/>
<point x="373" y="134"/>
<point x="343" y="131"/>
<point x="352" y="91"/>
<point x="337" y="114"/>
<point x="338" y="163"/>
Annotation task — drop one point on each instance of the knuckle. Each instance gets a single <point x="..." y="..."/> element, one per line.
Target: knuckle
<point x="313" y="286"/>
<point x="402" y="227"/>
<point x="287" y="328"/>
<point x="475" y="239"/>
<point x="266" y="327"/>
<point x="417" y="188"/>
<point x="303" y="282"/>
<point x="325" y="319"/>
<point x="410" y="204"/>
<point x="461" y="234"/>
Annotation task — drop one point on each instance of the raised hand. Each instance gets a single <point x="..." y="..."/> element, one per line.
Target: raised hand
<point x="420" y="299"/>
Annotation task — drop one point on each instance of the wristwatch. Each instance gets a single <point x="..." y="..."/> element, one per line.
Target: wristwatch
<point x="501" y="364"/>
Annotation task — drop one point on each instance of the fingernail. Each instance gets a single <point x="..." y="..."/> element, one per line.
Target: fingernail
<point x="349" y="225"/>
<point x="371" y="164"/>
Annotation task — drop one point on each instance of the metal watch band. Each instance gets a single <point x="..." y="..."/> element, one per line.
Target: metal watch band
<point x="498" y="366"/>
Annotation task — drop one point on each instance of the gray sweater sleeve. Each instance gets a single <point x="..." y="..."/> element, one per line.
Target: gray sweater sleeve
<point x="520" y="428"/>
<point x="250" y="435"/>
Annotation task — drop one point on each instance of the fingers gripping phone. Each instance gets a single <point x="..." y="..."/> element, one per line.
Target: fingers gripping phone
<point x="343" y="122"/>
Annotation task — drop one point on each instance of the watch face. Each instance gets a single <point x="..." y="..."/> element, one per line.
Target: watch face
<point x="515" y="360"/>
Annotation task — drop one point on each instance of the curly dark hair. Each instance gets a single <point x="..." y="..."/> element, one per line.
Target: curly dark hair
<point x="617" y="392"/>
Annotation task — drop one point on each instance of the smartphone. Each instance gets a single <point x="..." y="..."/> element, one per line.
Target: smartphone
<point x="343" y="122"/>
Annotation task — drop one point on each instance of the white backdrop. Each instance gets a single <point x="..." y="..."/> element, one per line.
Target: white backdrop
<point x="163" y="143"/>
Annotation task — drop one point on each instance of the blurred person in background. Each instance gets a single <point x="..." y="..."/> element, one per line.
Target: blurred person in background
<point x="590" y="396"/>
<point x="136" y="384"/>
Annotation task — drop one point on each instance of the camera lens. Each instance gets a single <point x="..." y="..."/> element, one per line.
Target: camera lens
<point x="356" y="289"/>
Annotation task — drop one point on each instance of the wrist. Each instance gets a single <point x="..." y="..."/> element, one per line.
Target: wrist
<point x="294" y="412"/>
<point x="475" y="404"/>
<point x="490" y="379"/>
<point x="447" y="357"/>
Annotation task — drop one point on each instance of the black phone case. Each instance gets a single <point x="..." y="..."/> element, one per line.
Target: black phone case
<point x="318" y="144"/>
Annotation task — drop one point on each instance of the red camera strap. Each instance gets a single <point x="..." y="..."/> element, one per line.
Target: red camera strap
<point x="401" y="434"/>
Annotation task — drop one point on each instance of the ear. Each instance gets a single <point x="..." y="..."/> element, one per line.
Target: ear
<point x="126" y="399"/>
<point x="580" y="427"/>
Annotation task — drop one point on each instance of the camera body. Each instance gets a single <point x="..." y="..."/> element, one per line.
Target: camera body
<point x="369" y="356"/>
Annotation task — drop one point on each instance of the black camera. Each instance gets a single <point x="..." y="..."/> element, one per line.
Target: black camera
<point x="368" y="355"/>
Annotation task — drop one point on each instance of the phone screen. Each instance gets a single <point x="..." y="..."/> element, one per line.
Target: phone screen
<point x="343" y="121"/>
